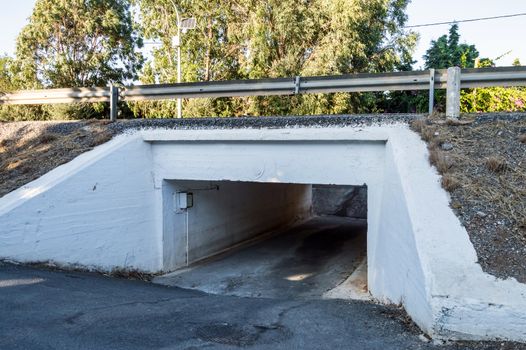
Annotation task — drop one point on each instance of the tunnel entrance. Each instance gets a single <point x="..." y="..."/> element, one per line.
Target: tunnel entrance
<point x="266" y="239"/>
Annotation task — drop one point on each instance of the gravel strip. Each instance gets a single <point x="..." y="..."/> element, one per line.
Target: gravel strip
<point x="264" y="122"/>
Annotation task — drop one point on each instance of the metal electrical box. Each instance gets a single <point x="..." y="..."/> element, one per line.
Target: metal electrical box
<point x="183" y="200"/>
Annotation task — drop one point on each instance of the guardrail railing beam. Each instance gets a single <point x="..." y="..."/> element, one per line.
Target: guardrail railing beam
<point x="453" y="79"/>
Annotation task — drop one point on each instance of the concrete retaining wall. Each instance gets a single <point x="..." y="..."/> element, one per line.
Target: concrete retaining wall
<point x="97" y="211"/>
<point x="106" y="209"/>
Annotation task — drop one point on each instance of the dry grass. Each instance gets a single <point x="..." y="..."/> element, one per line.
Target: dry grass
<point x="485" y="171"/>
<point x="439" y="160"/>
<point x="450" y="182"/>
<point x="130" y="274"/>
<point x="30" y="149"/>
<point x="457" y="122"/>
<point x="47" y="138"/>
<point x="428" y="134"/>
<point x="496" y="164"/>
<point x="418" y="125"/>
<point x="431" y="135"/>
<point x="100" y="138"/>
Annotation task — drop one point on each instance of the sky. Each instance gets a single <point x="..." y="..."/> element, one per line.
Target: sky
<point x="492" y="38"/>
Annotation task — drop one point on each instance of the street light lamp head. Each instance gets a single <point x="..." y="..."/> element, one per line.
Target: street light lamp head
<point x="188" y="23"/>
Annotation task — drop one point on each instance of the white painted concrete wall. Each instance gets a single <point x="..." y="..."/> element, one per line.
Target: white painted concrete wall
<point x="465" y="302"/>
<point x="418" y="253"/>
<point x="397" y="275"/>
<point x="97" y="211"/>
<point x="105" y="209"/>
<point x="226" y="213"/>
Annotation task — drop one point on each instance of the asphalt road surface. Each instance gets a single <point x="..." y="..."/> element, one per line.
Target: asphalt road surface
<point x="42" y="309"/>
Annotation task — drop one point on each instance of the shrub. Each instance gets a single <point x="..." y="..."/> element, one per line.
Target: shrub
<point x="496" y="164"/>
<point x="495" y="99"/>
<point x="72" y="111"/>
<point x="450" y="183"/>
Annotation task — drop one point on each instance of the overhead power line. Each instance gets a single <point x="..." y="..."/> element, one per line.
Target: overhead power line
<point x="466" y="20"/>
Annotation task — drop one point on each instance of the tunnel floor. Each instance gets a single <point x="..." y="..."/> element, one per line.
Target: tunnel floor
<point x="318" y="258"/>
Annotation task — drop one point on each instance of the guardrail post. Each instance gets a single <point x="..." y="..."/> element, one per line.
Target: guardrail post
<point x="453" y="93"/>
<point x="431" y="90"/>
<point x="114" y="102"/>
<point x="297" y="85"/>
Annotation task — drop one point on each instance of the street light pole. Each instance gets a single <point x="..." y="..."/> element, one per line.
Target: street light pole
<point x="178" y="43"/>
<point x="182" y="26"/>
<point x="179" y="100"/>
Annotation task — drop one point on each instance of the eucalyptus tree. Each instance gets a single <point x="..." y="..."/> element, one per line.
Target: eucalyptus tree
<point x="6" y="74"/>
<point x="240" y="39"/>
<point x="72" y="43"/>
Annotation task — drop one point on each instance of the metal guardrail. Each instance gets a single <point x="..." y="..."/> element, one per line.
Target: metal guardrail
<point x="414" y="80"/>
<point x="51" y="96"/>
<point x="285" y="86"/>
<point x="488" y="77"/>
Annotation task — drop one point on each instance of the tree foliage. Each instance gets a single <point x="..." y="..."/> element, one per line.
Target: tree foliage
<point x="494" y="99"/>
<point x="447" y="52"/>
<point x="247" y="39"/>
<point x="6" y="74"/>
<point x="73" y="43"/>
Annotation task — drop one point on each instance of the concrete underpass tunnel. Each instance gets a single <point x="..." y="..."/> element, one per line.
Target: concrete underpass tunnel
<point x="265" y="239"/>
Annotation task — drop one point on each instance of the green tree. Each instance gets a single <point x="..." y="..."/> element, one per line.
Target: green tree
<point x="209" y="52"/>
<point x="73" y="43"/>
<point x="484" y="63"/>
<point x="278" y="38"/>
<point x="6" y="74"/>
<point x="9" y="83"/>
<point x="493" y="99"/>
<point x="446" y="52"/>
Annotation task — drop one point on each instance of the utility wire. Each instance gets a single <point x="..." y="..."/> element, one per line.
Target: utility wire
<point x="466" y="20"/>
